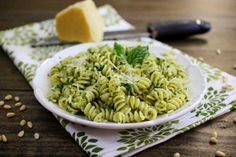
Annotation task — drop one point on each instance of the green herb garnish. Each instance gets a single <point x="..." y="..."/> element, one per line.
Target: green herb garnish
<point x="128" y="86"/>
<point x="137" y="54"/>
<point x="119" y="50"/>
<point x="160" y="60"/>
<point x="100" y="67"/>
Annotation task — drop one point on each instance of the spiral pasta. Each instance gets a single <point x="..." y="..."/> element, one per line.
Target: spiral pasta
<point x="142" y="85"/>
<point x="118" y="84"/>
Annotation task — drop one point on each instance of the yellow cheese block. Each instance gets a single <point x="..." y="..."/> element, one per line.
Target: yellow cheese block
<point x="80" y="22"/>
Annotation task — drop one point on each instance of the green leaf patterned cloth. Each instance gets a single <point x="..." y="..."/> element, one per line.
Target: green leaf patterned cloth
<point x="102" y="142"/>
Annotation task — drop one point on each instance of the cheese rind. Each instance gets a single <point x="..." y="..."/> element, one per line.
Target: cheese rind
<point x="80" y="22"/>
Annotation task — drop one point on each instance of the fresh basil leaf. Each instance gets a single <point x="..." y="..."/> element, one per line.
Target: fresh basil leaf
<point x="119" y="50"/>
<point x="137" y="54"/>
<point x="128" y="86"/>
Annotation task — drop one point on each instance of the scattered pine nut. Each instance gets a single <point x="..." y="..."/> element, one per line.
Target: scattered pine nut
<point x="23" y="107"/>
<point x="21" y="133"/>
<point x="4" y="138"/>
<point x="213" y="140"/>
<point x="29" y="124"/>
<point x="234" y="67"/>
<point x="7" y="107"/>
<point x="214" y="134"/>
<point x="8" y="97"/>
<point x="22" y="122"/>
<point x="218" y="51"/>
<point x="16" y="98"/>
<point x="216" y="77"/>
<point x="176" y="155"/>
<point x="227" y="87"/>
<point x="220" y="153"/>
<point x="235" y="120"/>
<point x="18" y="104"/>
<point x="36" y="136"/>
<point x="1" y="102"/>
<point x="201" y="59"/>
<point x="10" y="114"/>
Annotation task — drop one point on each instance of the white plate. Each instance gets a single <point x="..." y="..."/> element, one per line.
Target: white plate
<point x="41" y="85"/>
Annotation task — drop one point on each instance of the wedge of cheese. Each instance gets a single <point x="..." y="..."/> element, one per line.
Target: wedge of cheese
<point x="80" y="22"/>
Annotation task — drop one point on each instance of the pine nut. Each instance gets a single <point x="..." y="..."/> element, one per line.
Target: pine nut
<point x="220" y="154"/>
<point x="176" y="155"/>
<point x="21" y="133"/>
<point x="1" y="102"/>
<point x="23" y="107"/>
<point x="22" y="122"/>
<point x="7" y="107"/>
<point x="18" y="104"/>
<point x="36" y="136"/>
<point x="201" y="59"/>
<point x="227" y="87"/>
<point x="213" y="140"/>
<point x="4" y="138"/>
<point x="214" y="134"/>
<point x="16" y="98"/>
<point x="234" y="67"/>
<point x="8" y="97"/>
<point x="29" y="124"/>
<point x="218" y="51"/>
<point x="10" y="114"/>
<point x="235" y="120"/>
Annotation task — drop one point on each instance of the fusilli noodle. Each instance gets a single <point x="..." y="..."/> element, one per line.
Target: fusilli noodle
<point x="118" y="84"/>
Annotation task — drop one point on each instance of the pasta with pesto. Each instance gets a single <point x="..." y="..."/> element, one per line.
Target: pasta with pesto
<point x="118" y="84"/>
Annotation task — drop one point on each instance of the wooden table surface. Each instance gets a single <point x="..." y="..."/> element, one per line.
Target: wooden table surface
<point x="54" y="139"/>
